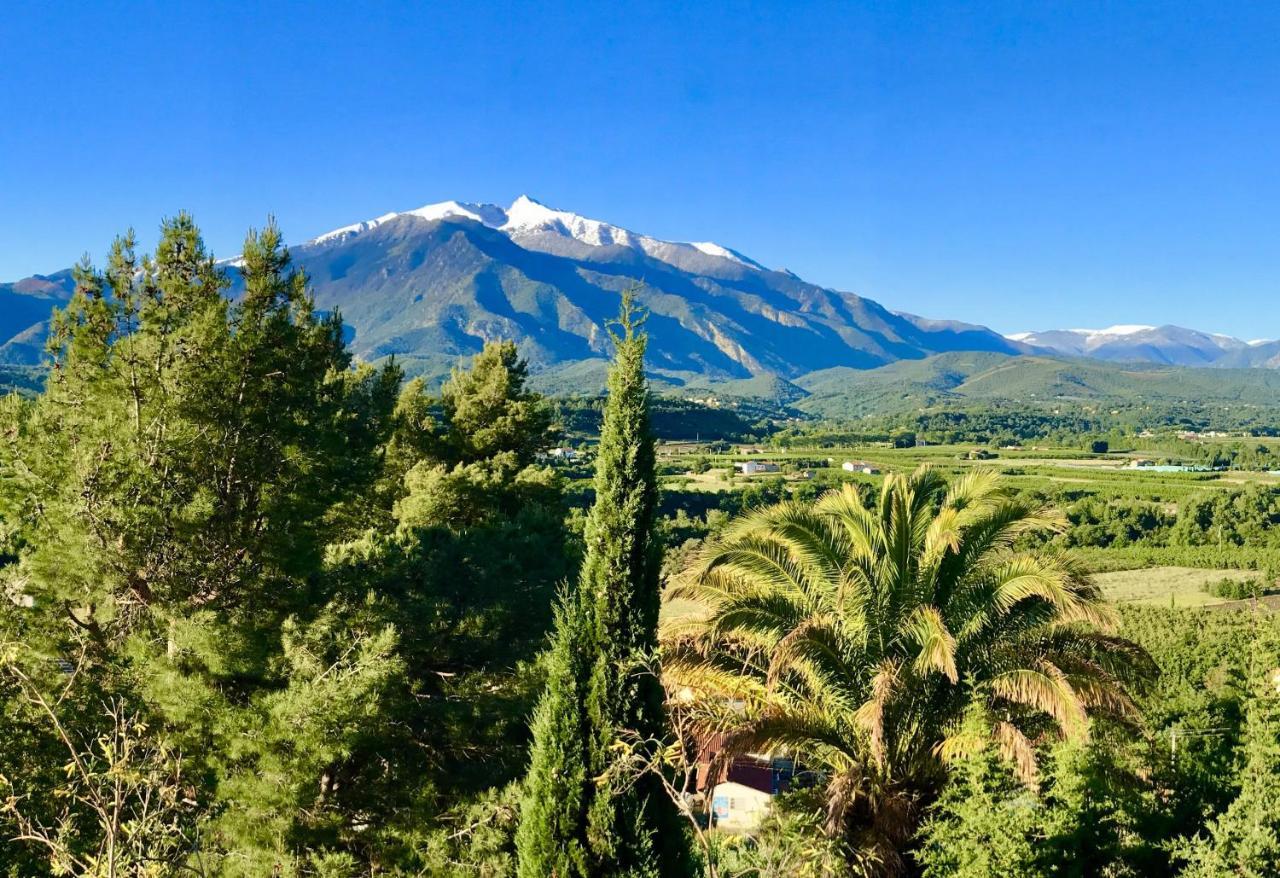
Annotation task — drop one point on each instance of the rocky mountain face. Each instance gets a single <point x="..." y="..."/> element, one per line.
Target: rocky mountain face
<point x="433" y="284"/>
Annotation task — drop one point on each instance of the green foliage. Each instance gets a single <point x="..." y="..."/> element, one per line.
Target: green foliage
<point x="568" y="733"/>
<point x="465" y="552"/>
<point x="1091" y="816"/>
<point x="673" y="418"/>
<point x="477" y="836"/>
<point x="1232" y="589"/>
<point x="314" y="597"/>
<point x="856" y="635"/>
<point x="790" y="843"/>
<point x="174" y="488"/>
<point x="490" y="412"/>
<point x="986" y="822"/>
<point x="121" y="807"/>
<point x="1245" y="839"/>
<point x="1101" y="816"/>
<point x="579" y="818"/>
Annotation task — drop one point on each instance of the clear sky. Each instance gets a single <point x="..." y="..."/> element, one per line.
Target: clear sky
<point x="1023" y="165"/>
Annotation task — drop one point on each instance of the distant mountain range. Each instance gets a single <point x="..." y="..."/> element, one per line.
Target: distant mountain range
<point x="431" y="285"/>
<point x="1168" y="345"/>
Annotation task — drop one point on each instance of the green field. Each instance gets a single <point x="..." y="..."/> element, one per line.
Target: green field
<point x="1161" y="566"/>
<point x="1167" y="586"/>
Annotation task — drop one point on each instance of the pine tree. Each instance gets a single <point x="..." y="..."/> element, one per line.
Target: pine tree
<point x="986" y="822"/>
<point x="580" y="819"/>
<point x="490" y="411"/>
<point x="176" y="486"/>
<point x="1245" y="839"/>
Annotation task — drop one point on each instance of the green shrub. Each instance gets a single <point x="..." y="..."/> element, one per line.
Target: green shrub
<point x="1234" y="589"/>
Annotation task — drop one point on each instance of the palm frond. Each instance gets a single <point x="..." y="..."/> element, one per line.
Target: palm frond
<point x="871" y="715"/>
<point x="935" y="646"/>
<point x="976" y="488"/>
<point x="1014" y="747"/>
<point x="1046" y="689"/>
<point x="840" y="632"/>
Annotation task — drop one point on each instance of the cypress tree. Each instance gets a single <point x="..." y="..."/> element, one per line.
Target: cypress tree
<point x="551" y="839"/>
<point x="579" y="819"/>
<point x="1245" y="839"/>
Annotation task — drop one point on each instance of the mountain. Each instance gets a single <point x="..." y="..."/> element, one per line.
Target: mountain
<point x="24" y="308"/>
<point x="958" y="379"/>
<point x="1167" y="345"/>
<point x="432" y="285"/>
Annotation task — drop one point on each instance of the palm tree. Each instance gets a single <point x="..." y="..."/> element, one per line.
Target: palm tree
<point x="857" y="638"/>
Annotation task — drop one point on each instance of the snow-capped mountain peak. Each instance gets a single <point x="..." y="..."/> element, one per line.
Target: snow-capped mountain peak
<point x="526" y="216"/>
<point x="486" y="214"/>
<point x="1140" y="342"/>
<point x="1118" y="330"/>
<point x="526" y="220"/>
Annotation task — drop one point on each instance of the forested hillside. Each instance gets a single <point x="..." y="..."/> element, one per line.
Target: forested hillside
<point x="968" y="379"/>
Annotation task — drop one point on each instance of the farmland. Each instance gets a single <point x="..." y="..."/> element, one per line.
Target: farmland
<point x="1122" y="518"/>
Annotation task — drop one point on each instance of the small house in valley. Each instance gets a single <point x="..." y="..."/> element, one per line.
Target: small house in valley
<point x="739" y="792"/>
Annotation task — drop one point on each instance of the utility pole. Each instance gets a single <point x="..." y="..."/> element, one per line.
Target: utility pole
<point x="1175" y="732"/>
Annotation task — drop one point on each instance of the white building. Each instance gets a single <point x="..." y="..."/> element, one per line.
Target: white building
<point x="859" y="466"/>
<point x="737" y="807"/>
<point x="751" y="467"/>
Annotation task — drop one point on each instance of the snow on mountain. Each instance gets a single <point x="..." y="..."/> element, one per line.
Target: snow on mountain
<point x="353" y="229"/>
<point x="488" y="214"/>
<point x="713" y="249"/>
<point x="1135" y="342"/>
<point x="526" y="216"/>
<point x="1086" y="336"/>
<point x="530" y="219"/>
<point x="1118" y="329"/>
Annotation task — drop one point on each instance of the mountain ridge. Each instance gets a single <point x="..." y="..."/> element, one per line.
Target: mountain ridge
<point x="1029" y="381"/>
<point x="1168" y="345"/>
<point x="431" y="285"/>
<point x="440" y="280"/>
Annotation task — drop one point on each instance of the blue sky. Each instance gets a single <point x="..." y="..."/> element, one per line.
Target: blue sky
<point x="1022" y="165"/>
